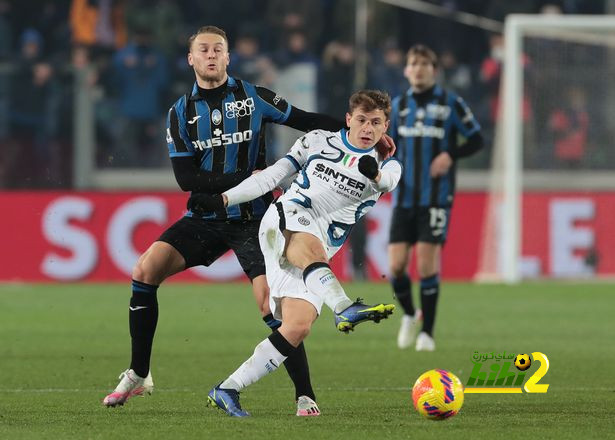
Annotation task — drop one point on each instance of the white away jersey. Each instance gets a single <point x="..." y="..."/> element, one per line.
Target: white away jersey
<point x="329" y="186"/>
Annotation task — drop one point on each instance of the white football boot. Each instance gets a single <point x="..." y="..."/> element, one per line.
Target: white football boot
<point x="424" y="342"/>
<point x="130" y="385"/>
<point x="307" y="407"/>
<point x="408" y="329"/>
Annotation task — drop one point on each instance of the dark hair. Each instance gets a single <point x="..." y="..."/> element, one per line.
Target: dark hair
<point x="370" y="100"/>
<point x="207" y="30"/>
<point x="423" y="51"/>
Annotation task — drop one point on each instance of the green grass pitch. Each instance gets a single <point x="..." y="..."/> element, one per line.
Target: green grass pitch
<point x="63" y="346"/>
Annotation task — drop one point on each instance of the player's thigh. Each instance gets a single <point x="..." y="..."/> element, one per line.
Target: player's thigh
<point x="260" y="289"/>
<point x="403" y="226"/>
<point x="303" y="249"/>
<point x="432" y="224"/>
<point x="158" y="262"/>
<point x="427" y="258"/>
<point x="199" y="242"/>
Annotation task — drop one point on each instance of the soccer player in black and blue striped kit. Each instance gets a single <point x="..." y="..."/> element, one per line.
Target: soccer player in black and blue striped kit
<point x="216" y="139"/>
<point x="432" y="128"/>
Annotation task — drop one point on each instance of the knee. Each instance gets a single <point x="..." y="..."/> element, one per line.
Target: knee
<point x="145" y="272"/>
<point x="297" y="332"/>
<point x="397" y="268"/>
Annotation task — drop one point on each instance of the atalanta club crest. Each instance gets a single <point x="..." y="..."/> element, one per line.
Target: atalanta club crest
<point x="216" y="117"/>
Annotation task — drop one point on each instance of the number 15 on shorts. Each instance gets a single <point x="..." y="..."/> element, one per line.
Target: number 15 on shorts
<point x="437" y="221"/>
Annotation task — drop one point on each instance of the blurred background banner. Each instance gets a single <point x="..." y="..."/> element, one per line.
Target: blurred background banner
<point x="85" y="86"/>
<point x="97" y="236"/>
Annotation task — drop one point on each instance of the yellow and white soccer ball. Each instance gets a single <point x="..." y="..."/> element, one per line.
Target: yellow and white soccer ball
<point x="437" y="394"/>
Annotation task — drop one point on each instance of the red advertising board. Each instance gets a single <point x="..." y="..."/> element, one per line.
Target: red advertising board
<point x="97" y="236"/>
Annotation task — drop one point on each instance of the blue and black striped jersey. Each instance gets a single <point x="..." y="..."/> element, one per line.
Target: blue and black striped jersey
<point x="226" y="135"/>
<point x="422" y="126"/>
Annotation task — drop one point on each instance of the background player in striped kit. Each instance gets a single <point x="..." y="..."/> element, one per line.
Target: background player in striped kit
<point x="427" y="124"/>
<point x="216" y="138"/>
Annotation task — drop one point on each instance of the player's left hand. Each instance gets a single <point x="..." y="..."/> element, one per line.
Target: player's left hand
<point x="441" y="164"/>
<point x="368" y="167"/>
<point x="386" y="147"/>
<point x="200" y="203"/>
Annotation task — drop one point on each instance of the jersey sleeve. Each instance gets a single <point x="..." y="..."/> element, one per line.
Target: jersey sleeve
<point x="260" y="183"/>
<point x="390" y="173"/>
<point x="464" y="119"/>
<point x="275" y="108"/>
<point x="178" y="140"/>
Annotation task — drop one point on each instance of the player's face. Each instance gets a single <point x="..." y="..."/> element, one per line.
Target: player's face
<point x="209" y="57"/>
<point x="420" y="72"/>
<point x="366" y="128"/>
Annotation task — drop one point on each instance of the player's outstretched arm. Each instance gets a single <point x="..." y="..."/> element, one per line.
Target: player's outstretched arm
<point x="255" y="186"/>
<point x="191" y="178"/>
<point x="260" y="183"/>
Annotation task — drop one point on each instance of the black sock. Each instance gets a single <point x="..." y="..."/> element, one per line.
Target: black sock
<point x="402" y="286"/>
<point x="142" y="318"/>
<point x="430" y="289"/>
<point x="296" y="364"/>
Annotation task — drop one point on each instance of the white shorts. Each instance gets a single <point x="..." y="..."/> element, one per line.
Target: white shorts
<point x="284" y="279"/>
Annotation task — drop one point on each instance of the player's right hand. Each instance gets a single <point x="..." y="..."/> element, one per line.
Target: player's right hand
<point x="201" y="203"/>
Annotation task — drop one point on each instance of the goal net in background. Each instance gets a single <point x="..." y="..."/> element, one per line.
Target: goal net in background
<point x="552" y="183"/>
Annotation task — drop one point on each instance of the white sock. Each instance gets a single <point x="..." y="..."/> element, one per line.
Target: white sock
<point x="323" y="282"/>
<point x="266" y="359"/>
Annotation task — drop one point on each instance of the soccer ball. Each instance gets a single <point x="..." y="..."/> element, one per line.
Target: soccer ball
<point x="522" y="361"/>
<point x="437" y="394"/>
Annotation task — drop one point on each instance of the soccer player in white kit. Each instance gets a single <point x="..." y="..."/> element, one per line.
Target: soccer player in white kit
<point x="338" y="178"/>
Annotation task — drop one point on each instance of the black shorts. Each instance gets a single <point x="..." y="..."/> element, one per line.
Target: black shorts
<point x="426" y="224"/>
<point x="201" y="242"/>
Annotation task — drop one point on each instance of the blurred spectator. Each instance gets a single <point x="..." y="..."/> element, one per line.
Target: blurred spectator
<point x="98" y="23"/>
<point x="297" y="81"/>
<point x="569" y="127"/>
<point x="162" y="17"/>
<point x="140" y="77"/>
<point x="386" y="70"/>
<point x="34" y="98"/>
<point x="285" y="16"/>
<point x="336" y="73"/>
<point x="491" y="74"/>
<point x="454" y="75"/>
<point x="249" y="63"/>
<point x="6" y="45"/>
<point x="295" y="50"/>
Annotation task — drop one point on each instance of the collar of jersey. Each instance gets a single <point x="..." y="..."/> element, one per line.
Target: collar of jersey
<point x="436" y="91"/>
<point x="231" y="85"/>
<point x="351" y="147"/>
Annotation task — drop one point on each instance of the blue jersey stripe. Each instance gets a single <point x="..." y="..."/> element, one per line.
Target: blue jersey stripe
<point x="230" y="159"/>
<point x="204" y="132"/>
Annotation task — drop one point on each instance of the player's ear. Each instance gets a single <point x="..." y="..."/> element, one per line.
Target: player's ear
<point x="386" y="125"/>
<point x="190" y="61"/>
<point x="407" y="72"/>
<point x="348" y="117"/>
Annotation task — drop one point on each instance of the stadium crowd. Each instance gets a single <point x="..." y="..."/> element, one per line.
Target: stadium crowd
<point x="131" y="56"/>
